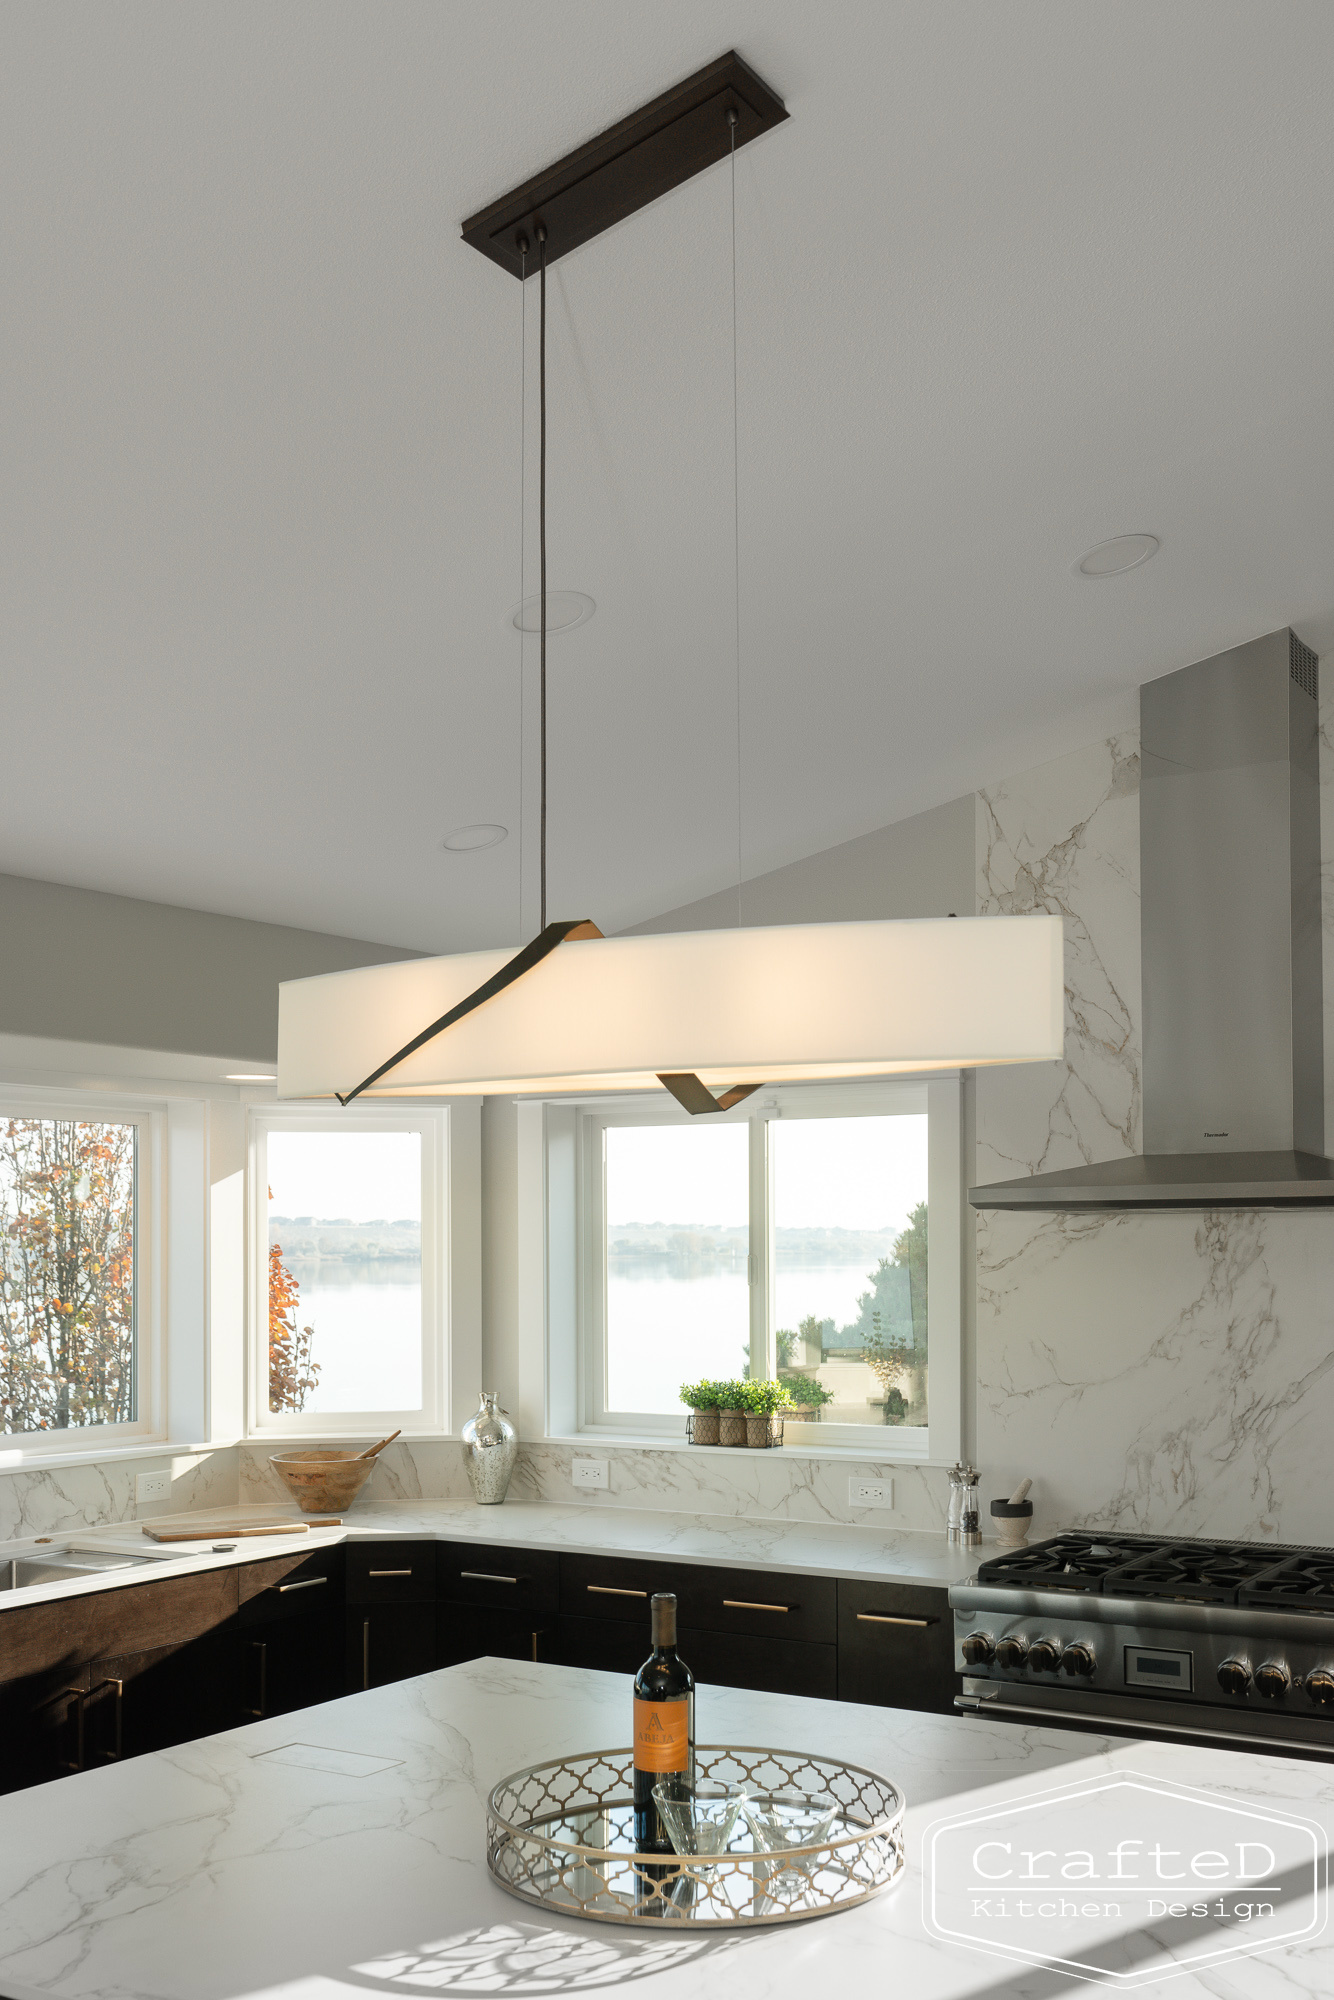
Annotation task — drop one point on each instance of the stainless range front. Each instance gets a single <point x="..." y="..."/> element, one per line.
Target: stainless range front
<point x="1233" y="1641"/>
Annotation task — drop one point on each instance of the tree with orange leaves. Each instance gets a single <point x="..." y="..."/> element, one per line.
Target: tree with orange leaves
<point x="292" y="1373"/>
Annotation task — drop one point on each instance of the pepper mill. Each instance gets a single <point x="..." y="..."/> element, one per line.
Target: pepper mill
<point x="954" y="1519"/>
<point x="970" y="1521"/>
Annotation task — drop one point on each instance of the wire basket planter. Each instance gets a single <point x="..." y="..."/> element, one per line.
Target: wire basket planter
<point x="561" y="1835"/>
<point x="734" y="1427"/>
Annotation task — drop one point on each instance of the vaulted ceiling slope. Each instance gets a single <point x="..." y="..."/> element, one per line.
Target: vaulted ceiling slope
<point x="1012" y="280"/>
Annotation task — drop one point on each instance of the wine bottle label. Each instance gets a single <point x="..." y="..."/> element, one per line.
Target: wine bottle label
<point x="662" y="1735"/>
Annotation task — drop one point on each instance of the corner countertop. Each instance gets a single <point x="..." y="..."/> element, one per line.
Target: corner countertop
<point x="804" y="1548"/>
<point x="340" y="1852"/>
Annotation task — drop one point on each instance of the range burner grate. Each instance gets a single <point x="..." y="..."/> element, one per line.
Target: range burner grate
<point x="1303" y="1582"/>
<point x="1195" y="1572"/>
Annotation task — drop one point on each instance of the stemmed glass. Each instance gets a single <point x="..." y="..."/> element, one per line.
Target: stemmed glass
<point x="781" y="1821"/>
<point x="699" y="1824"/>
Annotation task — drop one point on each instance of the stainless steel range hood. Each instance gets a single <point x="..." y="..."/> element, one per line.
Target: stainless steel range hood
<point x="1234" y="1102"/>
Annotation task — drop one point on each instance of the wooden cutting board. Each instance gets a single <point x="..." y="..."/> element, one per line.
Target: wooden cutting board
<point x="231" y="1534"/>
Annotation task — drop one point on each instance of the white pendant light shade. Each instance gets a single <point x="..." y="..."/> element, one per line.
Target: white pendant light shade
<point x="737" y="1006"/>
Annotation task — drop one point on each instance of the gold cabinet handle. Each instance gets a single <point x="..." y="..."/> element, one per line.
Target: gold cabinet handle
<point x="615" y="1590"/>
<point x="366" y="1652"/>
<point x="487" y="1576"/>
<point x="879" y="1618"/>
<point x="389" y="1572"/>
<point x="743" y="1604"/>
<point x="113" y="1756"/>
<point x="260" y="1646"/>
<point x="78" y="1696"/>
<point x="314" y="1582"/>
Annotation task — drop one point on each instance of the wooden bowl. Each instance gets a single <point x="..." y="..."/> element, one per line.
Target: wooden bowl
<point x="322" y="1482"/>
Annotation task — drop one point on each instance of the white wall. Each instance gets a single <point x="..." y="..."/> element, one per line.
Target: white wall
<point x="82" y="966"/>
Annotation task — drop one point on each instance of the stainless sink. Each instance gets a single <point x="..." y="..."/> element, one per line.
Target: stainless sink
<point x="61" y="1566"/>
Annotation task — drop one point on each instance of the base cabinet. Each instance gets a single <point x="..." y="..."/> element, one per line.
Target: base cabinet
<point x="138" y="1702"/>
<point x="896" y="1646"/>
<point x="387" y="1642"/>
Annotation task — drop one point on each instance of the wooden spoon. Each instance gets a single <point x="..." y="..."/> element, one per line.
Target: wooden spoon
<point x="381" y="1445"/>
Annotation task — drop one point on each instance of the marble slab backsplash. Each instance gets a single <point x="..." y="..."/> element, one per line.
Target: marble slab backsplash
<point x="698" y="1481"/>
<point x="65" y="1499"/>
<point x="1170" y="1372"/>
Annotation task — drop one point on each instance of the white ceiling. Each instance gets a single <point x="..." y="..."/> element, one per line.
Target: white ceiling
<point x="1012" y="280"/>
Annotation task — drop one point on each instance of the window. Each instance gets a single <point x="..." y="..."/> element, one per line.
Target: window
<point x="814" y="1237"/>
<point x="76" y="1187"/>
<point x="349" y="1270"/>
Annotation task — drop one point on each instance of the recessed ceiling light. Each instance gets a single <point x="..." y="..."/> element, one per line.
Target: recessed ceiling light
<point x="565" y="610"/>
<point x="1113" y="558"/>
<point x="249" y="1079"/>
<point x="467" y="839"/>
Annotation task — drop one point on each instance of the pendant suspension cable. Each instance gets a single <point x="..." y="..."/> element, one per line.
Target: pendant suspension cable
<point x="523" y="483"/>
<point x="732" y="118"/>
<point x="542" y="537"/>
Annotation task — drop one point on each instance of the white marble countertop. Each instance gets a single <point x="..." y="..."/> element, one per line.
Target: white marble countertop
<point x="340" y="1852"/>
<point x="803" y="1548"/>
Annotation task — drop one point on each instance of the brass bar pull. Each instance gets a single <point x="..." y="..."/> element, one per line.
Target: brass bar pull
<point x="488" y="1576"/>
<point x="534" y="1649"/>
<point x="365" y="1652"/>
<point x="114" y="1756"/>
<point x="615" y="1590"/>
<point x="78" y="1696"/>
<point x="311" y="1583"/>
<point x="261" y="1647"/>
<point x="878" y="1618"/>
<point x="743" y="1604"/>
<point x="389" y="1572"/>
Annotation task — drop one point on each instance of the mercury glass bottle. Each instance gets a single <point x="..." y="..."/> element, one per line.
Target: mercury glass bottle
<point x="490" y="1447"/>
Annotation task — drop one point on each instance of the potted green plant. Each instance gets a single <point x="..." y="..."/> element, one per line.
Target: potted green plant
<point x="763" y="1402"/>
<point x="702" y="1398"/>
<point x="731" y="1412"/>
<point x="807" y="1396"/>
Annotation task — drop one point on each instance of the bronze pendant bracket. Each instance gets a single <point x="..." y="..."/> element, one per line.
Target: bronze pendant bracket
<point x="696" y="1097"/>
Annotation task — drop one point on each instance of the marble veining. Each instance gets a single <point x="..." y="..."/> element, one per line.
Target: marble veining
<point x="1153" y="1372"/>
<point x="214" y="1870"/>
<point x="67" y="1499"/>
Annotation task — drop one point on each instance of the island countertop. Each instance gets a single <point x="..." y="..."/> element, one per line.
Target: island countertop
<point x="341" y="1851"/>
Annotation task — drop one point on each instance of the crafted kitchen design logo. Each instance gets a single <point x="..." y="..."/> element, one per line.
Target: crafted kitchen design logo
<point x="1124" y="1879"/>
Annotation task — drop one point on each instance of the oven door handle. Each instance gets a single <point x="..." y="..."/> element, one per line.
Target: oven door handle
<point x="992" y="1704"/>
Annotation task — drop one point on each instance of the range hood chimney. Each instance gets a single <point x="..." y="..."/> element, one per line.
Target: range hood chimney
<point x="1230" y="932"/>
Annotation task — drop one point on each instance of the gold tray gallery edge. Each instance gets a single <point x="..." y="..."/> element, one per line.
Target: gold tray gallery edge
<point x="561" y="1835"/>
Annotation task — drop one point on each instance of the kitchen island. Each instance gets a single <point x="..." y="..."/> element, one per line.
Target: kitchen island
<point x="340" y="1851"/>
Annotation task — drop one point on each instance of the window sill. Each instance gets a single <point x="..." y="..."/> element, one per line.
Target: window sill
<point x="852" y="1454"/>
<point x="27" y="1458"/>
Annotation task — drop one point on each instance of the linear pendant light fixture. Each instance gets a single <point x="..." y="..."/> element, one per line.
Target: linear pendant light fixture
<point x="710" y="1015"/>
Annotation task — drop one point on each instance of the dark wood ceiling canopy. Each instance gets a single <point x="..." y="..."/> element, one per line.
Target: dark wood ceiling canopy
<point x="626" y="167"/>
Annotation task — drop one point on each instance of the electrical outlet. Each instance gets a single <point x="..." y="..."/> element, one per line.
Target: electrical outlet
<point x="870" y="1492"/>
<point x="152" y="1486"/>
<point x="588" y="1471"/>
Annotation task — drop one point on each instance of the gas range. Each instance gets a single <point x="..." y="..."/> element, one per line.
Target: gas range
<point x="1158" y="1635"/>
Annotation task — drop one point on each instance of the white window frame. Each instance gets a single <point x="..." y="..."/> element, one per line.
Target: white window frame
<point x="576" y="1285"/>
<point x="440" y="1350"/>
<point x="150" y="1120"/>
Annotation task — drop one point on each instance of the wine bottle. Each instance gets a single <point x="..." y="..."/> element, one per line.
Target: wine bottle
<point x="664" y="1735"/>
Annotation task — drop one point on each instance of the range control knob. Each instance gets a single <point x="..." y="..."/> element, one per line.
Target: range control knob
<point x="1272" y="1679"/>
<point x="1012" y="1652"/>
<point x="1079" y="1660"/>
<point x="978" y="1649"/>
<point x="1045" y="1657"/>
<point x="1320" y="1686"/>
<point x="1234" y="1676"/>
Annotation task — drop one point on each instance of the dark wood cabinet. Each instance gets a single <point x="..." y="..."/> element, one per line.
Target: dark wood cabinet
<point x="290" y="1634"/>
<point x="896" y="1645"/>
<point x="91" y="1679"/>
<point x="495" y="1601"/>
<point x="387" y="1642"/>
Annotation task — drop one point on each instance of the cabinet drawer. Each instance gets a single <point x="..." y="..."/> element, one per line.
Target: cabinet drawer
<point x="770" y="1666"/>
<point x="764" y="1605"/>
<point x="390" y="1572"/>
<point x="612" y="1645"/>
<point x="293" y="1586"/>
<point x="524" y="1581"/>
<point x="896" y="1645"/>
<point x="612" y="1587"/>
